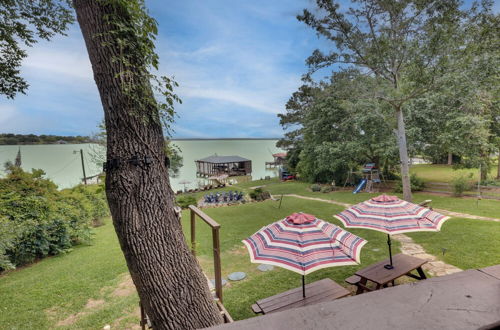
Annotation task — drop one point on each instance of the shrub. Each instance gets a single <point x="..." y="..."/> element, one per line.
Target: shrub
<point x="315" y="188"/>
<point x="327" y="189"/>
<point x="185" y="200"/>
<point x="416" y="184"/>
<point x="258" y="194"/>
<point x="460" y="184"/>
<point x="37" y="220"/>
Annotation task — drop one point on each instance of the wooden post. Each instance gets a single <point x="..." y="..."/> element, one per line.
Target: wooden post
<point x="217" y="264"/>
<point x="83" y="167"/>
<point x="216" y="245"/>
<point x="193" y="233"/>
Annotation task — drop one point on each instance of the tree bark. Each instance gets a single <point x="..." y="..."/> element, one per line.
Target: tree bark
<point x="403" y="155"/>
<point x="450" y="158"/>
<point x="171" y="286"/>
<point x="498" y="166"/>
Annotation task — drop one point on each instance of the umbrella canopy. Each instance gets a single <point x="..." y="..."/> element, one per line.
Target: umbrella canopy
<point x="391" y="215"/>
<point x="303" y="244"/>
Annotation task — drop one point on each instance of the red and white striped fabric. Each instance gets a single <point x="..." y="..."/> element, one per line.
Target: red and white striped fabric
<point x="303" y="244"/>
<point x="391" y="215"/>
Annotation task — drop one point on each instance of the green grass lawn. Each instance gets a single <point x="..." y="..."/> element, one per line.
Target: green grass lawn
<point x="43" y="294"/>
<point x="485" y="207"/>
<point x="468" y="243"/>
<point x="445" y="173"/>
<point x="239" y="222"/>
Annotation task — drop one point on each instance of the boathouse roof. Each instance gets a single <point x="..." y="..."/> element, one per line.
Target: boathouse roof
<point x="223" y="159"/>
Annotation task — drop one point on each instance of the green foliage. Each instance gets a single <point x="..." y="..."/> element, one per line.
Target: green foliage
<point x="132" y="40"/>
<point x="315" y="188"/>
<point x="23" y="23"/>
<point x="459" y="184"/>
<point x="339" y="129"/>
<point x="327" y="189"/>
<point x="37" y="220"/>
<point x="416" y="184"/>
<point x="185" y="200"/>
<point x="259" y="195"/>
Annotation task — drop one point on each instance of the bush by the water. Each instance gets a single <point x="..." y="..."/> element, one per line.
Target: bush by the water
<point x="416" y="183"/>
<point x="185" y="200"/>
<point x="460" y="184"/>
<point x="37" y="220"/>
<point x="258" y="194"/>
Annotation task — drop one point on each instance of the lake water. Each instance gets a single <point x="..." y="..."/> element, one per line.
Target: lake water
<point x="63" y="166"/>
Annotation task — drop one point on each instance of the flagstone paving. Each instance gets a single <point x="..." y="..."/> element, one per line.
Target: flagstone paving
<point x="434" y="266"/>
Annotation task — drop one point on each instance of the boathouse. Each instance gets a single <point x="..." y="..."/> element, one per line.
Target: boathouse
<point x="279" y="159"/>
<point x="219" y="165"/>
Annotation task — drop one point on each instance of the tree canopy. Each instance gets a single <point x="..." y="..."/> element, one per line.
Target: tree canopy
<point x="412" y="88"/>
<point x="22" y="24"/>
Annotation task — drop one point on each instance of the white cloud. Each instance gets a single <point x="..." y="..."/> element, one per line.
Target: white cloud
<point x="56" y="62"/>
<point x="249" y="100"/>
<point x="182" y="131"/>
<point x="7" y="113"/>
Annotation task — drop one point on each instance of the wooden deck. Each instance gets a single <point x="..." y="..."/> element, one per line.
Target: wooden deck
<point x="465" y="300"/>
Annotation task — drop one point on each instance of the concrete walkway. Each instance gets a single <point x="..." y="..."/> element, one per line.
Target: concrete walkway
<point x="465" y="215"/>
<point x="445" y="212"/>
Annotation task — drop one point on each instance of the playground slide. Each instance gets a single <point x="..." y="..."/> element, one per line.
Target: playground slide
<point x="360" y="186"/>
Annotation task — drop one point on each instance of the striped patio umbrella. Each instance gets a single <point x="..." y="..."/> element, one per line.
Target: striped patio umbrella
<point x="303" y="244"/>
<point x="391" y="215"/>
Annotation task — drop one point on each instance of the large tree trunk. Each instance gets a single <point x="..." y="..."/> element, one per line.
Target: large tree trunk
<point x="450" y="158"/>
<point x="403" y="155"/>
<point x="168" y="278"/>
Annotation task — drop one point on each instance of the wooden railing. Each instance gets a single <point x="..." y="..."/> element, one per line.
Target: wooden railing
<point x="216" y="251"/>
<point x="217" y="264"/>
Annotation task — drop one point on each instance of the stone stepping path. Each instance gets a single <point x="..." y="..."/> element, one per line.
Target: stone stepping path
<point x="236" y="276"/>
<point x="434" y="266"/>
<point x="265" y="268"/>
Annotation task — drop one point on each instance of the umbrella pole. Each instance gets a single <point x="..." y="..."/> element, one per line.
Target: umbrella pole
<point x="303" y="286"/>
<point x="390" y="266"/>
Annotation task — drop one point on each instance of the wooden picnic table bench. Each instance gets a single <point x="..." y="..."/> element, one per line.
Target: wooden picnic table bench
<point x="381" y="276"/>
<point x="316" y="292"/>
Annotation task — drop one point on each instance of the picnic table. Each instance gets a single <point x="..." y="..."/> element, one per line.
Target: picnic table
<point x="381" y="276"/>
<point x="316" y="292"/>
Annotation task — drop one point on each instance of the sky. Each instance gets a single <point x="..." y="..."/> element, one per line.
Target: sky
<point x="237" y="63"/>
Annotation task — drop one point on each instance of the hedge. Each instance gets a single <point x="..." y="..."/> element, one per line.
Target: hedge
<point x="37" y="220"/>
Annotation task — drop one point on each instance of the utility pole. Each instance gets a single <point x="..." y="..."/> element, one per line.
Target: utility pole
<point x="83" y="165"/>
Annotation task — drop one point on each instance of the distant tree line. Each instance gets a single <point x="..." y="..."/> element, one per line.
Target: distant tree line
<point x="14" y="139"/>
